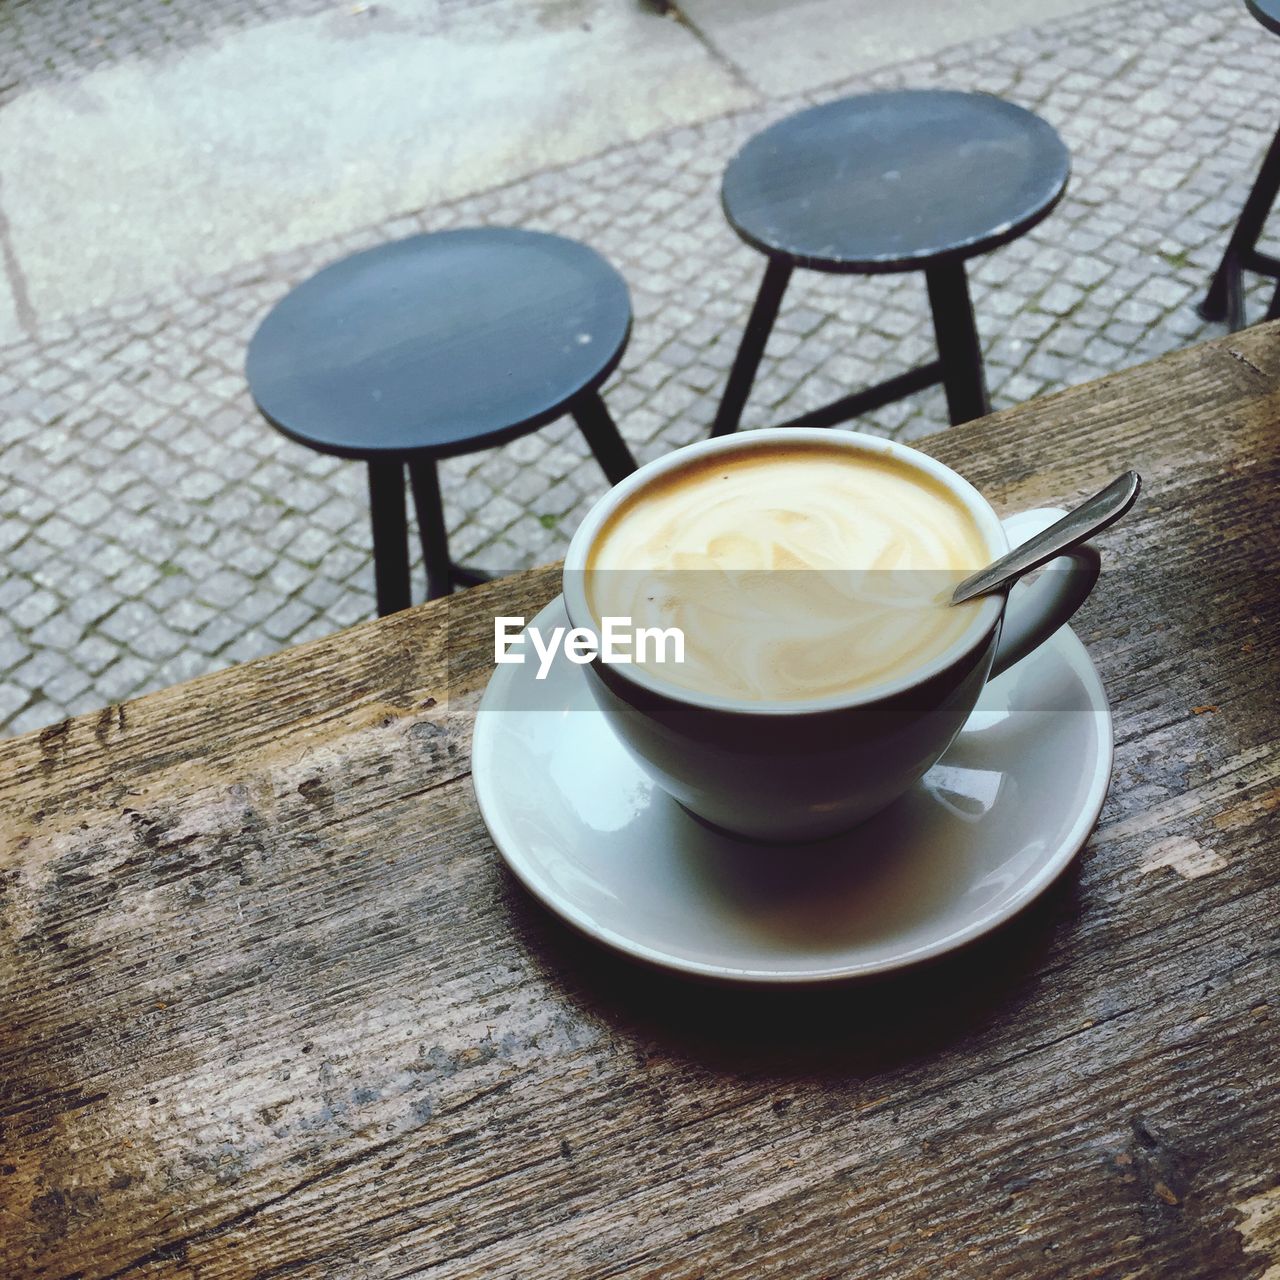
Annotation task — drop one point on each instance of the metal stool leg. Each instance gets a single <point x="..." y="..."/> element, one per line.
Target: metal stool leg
<point x="431" y="528"/>
<point x="390" y="536"/>
<point x="1273" y="311"/>
<point x="1225" y="299"/>
<point x="602" y="435"/>
<point x="958" y="346"/>
<point x="756" y="334"/>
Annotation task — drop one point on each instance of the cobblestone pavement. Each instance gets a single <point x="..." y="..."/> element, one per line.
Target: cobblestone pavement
<point x="51" y="40"/>
<point x="152" y="528"/>
<point x="45" y="40"/>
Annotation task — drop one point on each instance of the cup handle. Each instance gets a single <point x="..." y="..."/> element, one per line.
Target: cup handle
<point x="1035" y="610"/>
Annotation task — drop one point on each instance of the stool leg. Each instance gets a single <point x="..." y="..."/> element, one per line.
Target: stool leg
<point x="754" y="337"/>
<point x="431" y="528"/>
<point x="1273" y="311"/>
<point x="390" y="536"/>
<point x="958" y="346"/>
<point x="602" y="435"/>
<point x="1225" y="299"/>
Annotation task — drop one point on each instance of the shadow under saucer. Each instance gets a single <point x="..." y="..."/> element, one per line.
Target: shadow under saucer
<point x="984" y="833"/>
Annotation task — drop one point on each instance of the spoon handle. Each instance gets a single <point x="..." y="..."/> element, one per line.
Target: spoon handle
<point x="1090" y="517"/>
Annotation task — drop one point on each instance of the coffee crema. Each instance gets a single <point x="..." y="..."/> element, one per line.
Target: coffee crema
<point x="795" y="572"/>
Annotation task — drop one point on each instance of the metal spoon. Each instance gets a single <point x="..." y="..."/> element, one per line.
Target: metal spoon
<point x="1090" y="517"/>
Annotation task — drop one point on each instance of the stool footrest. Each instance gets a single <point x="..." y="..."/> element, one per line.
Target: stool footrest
<point x="870" y="398"/>
<point x="1263" y="263"/>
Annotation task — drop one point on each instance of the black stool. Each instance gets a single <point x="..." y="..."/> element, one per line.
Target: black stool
<point x="913" y="180"/>
<point x="1225" y="299"/>
<point x="438" y="345"/>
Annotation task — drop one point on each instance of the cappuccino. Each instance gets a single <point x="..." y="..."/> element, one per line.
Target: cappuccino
<point x="794" y="572"/>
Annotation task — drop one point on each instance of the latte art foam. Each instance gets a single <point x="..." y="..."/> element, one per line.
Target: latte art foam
<point x="794" y="573"/>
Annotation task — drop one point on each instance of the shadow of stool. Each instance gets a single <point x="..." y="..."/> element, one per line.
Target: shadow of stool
<point x="909" y="180"/>
<point x="438" y="345"/>
<point x="1225" y="299"/>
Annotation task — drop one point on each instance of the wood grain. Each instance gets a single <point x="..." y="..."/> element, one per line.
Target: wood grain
<point x="270" y="1006"/>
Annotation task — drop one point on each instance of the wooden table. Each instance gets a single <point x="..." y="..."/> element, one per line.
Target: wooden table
<point x="270" y="1006"/>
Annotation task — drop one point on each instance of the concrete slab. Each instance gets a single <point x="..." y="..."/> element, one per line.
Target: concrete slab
<point x="789" y="46"/>
<point x="137" y="175"/>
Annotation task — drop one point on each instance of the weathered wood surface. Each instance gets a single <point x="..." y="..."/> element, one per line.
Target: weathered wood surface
<point x="270" y="1005"/>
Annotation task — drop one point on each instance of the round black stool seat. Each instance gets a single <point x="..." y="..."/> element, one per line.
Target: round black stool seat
<point x="436" y="345"/>
<point x="1267" y="12"/>
<point x="908" y="180"/>
<point x="893" y="181"/>
<point x="442" y="343"/>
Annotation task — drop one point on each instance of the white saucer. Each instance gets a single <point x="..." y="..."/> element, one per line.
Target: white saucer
<point x="978" y="838"/>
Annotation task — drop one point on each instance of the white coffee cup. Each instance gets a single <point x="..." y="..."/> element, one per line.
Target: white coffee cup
<point x="801" y="770"/>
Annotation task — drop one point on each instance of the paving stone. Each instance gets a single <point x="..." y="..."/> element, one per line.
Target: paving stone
<point x="223" y="589"/>
<point x="125" y="678"/>
<point x="94" y="654"/>
<point x="92" y="607"/>
<point x="171" y="587"/>
<point x="248" y="646"/>
<point x="34" y="609"/>
<point x="58" y="632"/>
<point x="13" y="697"/>
<point x="12" y="532"/>
<point x="38" y="668"/>
<point x="88" y="510"/>
<point x="1162" y="293"/>
<point x="200" y="486"/>
<point x="1022" y="387"/>
<point x="128" y="622"/>
<point x="63" y="688"/>
<point x="287" y="576"/>
<point x="1140" y="314"/>
<point x="37" y="715"/>
<point x="285" y="622"/>
<point x="188" y="615"/>
<point x="216" y="634"/>
<point x="14" y="648"/>
<point x="185" y="665"/>
<point x="310" y="546"/>
<point x="156" y="643"/>
<point x="136" y="578"/>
